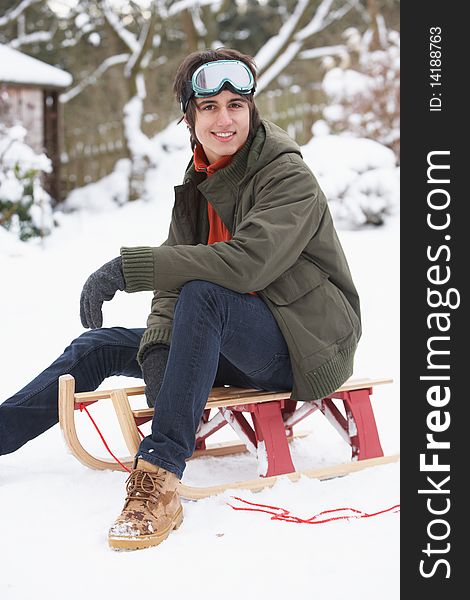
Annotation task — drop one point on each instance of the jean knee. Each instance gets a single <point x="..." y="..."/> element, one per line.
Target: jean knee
<point x="96" y="338"/>
<point x="197" y="289"/>
<point x="91" y="337"/>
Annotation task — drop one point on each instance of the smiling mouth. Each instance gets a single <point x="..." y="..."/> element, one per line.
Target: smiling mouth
<point x="223" y="135"/>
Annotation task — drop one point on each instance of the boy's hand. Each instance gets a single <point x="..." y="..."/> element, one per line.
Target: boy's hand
<point x="100" y="286"/>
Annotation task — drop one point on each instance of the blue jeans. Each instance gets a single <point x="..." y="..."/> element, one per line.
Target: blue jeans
<point x="220" y="337"/>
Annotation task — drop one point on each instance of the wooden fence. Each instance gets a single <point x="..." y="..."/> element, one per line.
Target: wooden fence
<point x="295" y="110"/>
<point x="90" y="154"/>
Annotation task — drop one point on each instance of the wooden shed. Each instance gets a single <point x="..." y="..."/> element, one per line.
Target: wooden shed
<point x="32" y="88"/>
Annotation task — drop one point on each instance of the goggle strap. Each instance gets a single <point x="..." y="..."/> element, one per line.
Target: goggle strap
<point x="188" y="92"/>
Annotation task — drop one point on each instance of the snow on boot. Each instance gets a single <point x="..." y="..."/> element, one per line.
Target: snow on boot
<point x="151" y="511"/>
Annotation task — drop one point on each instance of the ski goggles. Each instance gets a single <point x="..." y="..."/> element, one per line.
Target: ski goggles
<point x="210" y="78"/>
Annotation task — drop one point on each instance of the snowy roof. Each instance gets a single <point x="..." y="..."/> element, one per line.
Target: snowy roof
<point x="19" y="68"/>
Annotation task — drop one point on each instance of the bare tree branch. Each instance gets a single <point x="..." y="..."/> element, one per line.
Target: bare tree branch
<point x="335" y="15"/>
<point x="134" y="66"/>
<point x="279" y="42"/>
<point x="189" y="29"/>
<point x="123" y="34"/>
<point x="311" y="30"/>
<point x="199" y="24"/>
<point x="177" y="7"/>
<point x="13" y="13"/>
<point x="32" y="38"/>
<point x="339" y="50"/>
<point x="373" y="9"/>
<point x="281" y="63"/>
<point x="318" y="21"/>
<point x="90" y="79"/>
<point x="285" y="47"/>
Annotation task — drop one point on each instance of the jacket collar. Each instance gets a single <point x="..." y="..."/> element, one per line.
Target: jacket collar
<point x="202" y="165"/>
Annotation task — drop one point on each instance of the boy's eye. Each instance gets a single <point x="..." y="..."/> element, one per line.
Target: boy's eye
<point x="232" y="105"/>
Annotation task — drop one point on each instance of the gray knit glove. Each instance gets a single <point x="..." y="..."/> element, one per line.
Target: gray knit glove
<point x="100" y="286"/>
<point x="153" y="369"/>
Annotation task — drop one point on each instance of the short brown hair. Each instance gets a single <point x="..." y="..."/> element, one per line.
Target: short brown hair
<point x="185" y="72"/>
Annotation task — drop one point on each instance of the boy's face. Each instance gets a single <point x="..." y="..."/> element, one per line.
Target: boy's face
<point x="222" y="124"/>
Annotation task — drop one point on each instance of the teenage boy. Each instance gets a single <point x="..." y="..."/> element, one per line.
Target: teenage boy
<point x="252" y="290"/>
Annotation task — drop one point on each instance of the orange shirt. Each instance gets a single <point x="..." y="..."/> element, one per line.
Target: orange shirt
<point x="218" y="232"/>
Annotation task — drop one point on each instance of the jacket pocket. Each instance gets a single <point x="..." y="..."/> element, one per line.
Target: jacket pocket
<point x="294" y="283"/>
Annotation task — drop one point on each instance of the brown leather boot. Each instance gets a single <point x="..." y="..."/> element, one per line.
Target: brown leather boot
<point x="151" y="511"/>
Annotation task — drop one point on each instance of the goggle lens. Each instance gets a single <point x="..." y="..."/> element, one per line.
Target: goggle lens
<point x="212" y="76"/>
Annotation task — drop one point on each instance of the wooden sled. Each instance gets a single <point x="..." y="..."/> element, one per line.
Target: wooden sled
<point x="273" y="415"/>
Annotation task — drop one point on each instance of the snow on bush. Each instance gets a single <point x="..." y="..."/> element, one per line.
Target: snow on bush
<point x="102" y="195"/>
<point x="25" y="207"/>
<point x="358" y="176"/>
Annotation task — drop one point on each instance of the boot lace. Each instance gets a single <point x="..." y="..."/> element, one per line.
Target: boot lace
<point x="144" y="486"/>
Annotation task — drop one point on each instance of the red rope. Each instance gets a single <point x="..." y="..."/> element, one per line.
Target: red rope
<point x="282" y="514"/>
<point x="84" y="408"/>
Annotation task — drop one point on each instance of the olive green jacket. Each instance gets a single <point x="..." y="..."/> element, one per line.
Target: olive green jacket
<point x="284" y="247"/>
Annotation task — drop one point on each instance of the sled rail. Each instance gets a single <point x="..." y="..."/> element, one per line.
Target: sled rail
<point x="221" y="393"/>
<point x="273" y="416"/>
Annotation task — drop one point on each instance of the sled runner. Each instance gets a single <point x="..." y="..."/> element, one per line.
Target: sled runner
<point x="273" y="416"/>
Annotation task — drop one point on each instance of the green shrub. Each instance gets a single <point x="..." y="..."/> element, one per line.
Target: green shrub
<point x="25" y="207"/>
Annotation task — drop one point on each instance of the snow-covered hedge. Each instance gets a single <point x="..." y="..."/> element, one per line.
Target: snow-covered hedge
<point x="25" y="207"/>
<point x="358" y="176"/>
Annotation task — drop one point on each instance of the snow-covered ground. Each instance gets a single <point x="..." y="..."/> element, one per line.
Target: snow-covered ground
<point x="54" y="512"/>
